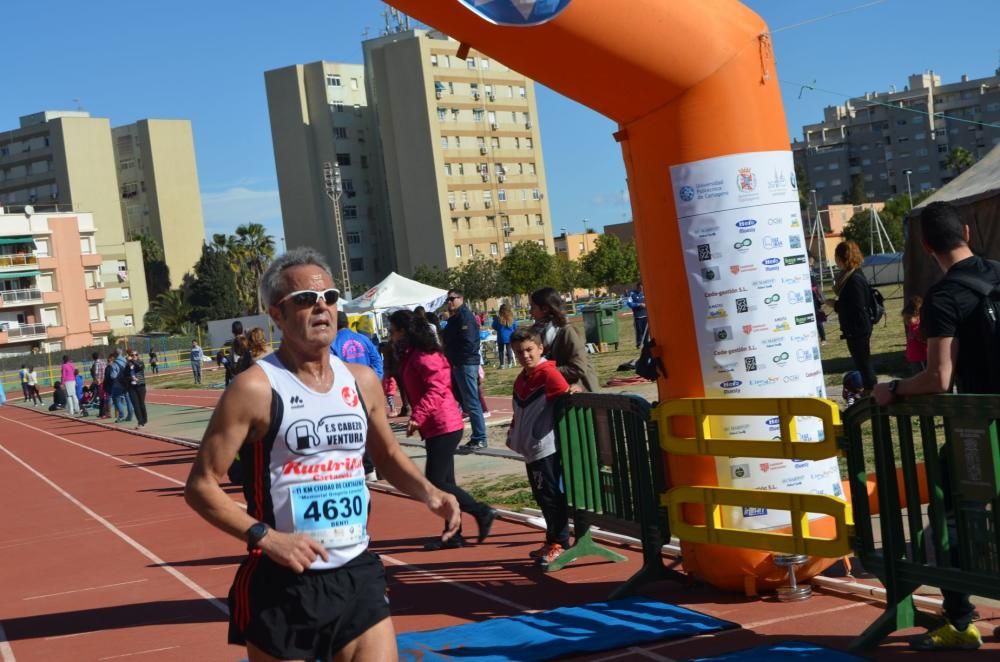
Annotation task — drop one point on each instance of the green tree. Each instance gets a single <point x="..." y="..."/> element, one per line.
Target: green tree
<point x="611" y="262"/>
<point x="567" y="275"/>
<point x="434" y="276"/>
<point x="213" y="293"/>
<point x="526" y="268"/>
<point x="169" y="312"/>
<point x="859" y="227"/>
<point x="154" y="265"/>
<point x="479" y="278"/>
<point x="803" y="186"/>
<point x="254" y="251"/>
<point x="857" y="192"/>
<point x="959" y="160"/>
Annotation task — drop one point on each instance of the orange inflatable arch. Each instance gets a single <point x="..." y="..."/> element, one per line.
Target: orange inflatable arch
<point x="686" y="80"/>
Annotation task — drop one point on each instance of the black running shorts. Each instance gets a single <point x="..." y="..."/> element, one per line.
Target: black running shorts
<point x="309" y="616"/>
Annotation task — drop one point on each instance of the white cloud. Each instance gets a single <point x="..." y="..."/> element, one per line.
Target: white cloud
<point x="616" y="199"/>
<point x="225" y="210"/>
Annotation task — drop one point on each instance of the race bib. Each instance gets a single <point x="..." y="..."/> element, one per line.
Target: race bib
<point x="334" y="513"/>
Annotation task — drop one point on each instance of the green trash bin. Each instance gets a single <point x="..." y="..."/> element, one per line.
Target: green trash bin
<point x="600" y="323"/>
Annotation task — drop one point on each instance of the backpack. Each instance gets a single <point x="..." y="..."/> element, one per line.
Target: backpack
<point x="988" y="316"/>
<point x="876" y="309"/>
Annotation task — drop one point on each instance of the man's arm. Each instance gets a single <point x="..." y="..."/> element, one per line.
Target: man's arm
<point x="942" y="355"/>
<point x="242" y="413"/>
<point x="392" y="461"/>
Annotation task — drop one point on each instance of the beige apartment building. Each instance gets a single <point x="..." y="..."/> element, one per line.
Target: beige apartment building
<point x="65" y="161"/>
<point x="52" y="294"/>
<point x="446" y="150"/>
<point x="158" y="189"/>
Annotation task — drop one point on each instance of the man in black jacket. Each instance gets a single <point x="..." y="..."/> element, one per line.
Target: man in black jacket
<point x="461" y="345"/>
<point x="956" y="352"/>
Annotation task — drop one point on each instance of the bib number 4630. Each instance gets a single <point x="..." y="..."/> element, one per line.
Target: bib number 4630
<point x="333" y="509"/>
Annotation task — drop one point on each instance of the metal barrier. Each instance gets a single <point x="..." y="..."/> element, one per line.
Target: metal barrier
<point x="612" y="474"/>
<point x="961" y="462"/>
<point x="799" y="540"/>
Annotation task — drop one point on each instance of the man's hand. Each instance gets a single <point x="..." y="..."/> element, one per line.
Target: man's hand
<point x="445" y="506"/>
<point x="411" y="428"/>
<point x="296" y="551"/>
<point x="883" y="394"/>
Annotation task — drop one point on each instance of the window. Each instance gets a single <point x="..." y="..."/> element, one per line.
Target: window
<point x="471" y="63"/>
<point x="338" y="106"/>
<point x="477" y="114"/>
<point x="458" y="251"/>
<point x="128" y="321"/>
<point x="444" y="142"/>
<point x="434" y="60"/>
<point x="348" y="185"/>
<point x="495" y="143"/>
<point x="531" y="168"/>
<point x="492" y="117"/>
<point x="529" y="143"/>
<point x="506" y="247"/>
<point x="473" y="89"/>
<point x="468" y="226"/>
<point x="502" y="195"/>
<point x="340" y="133"/>
<point x="364" y="161"/>
<point x="343" y="159"/>
<point x="461" y="166"/>
<point x="494" y="249"/>
<point x="472" y="250"/>
<point x="523" y="92"/>
<point x="350" y="211"/>
<point x="354" y="83"/>
<point x="451" y="201"/>
<point x="357" y="109"/>
<point x="488" y="198"/>
<point x="484" y="64"/>
<point x="498" y="169"/>
<point x="834" y="182"/>
<point x="353" y="237"/>
<point x="357" y="264"/>
<point x="126" y="294"/>
<point x="458" y="142"/>
<point x="535" y="195"/>
<point x="924" y="168"/>
<point x="455" y="114"/>
<point x="95" y="312"/>
<point x="447" y="168"/>
<point x="42" y="246"/>
<point x="833" y="166"/>
<point x="538" y="220"/>
<point x="333" y="80"/>
<point x="442" y="114"/>
<point x="524" y="194"/>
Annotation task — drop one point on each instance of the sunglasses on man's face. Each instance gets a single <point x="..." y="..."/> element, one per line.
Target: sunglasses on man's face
<point x="311" y="297"/>
<point x="453" y="298"/>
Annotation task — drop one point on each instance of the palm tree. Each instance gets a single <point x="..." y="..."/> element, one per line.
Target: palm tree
<point x="256" y="251"/>
<point x="959" y="159"/>
<point x="169" y="312"/>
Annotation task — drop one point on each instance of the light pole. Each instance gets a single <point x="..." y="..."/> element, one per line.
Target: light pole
<point x="334" y="188"/>
<point x="909" y="192"/>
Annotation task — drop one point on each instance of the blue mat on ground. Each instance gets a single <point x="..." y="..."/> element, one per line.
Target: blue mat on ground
<point x="789" y="650"/>
<point x="588" y="628"/>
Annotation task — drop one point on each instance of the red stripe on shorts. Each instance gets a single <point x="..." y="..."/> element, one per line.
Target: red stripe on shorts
<point x="243" y="590"/>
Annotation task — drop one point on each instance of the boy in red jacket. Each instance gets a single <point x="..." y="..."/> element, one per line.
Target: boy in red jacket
<point x="532" y="434"/>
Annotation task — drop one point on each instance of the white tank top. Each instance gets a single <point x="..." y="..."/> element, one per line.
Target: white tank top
<point x="307" y="474"/>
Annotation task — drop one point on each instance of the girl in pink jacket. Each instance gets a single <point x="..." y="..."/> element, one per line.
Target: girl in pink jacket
<point x="426" y="376"/>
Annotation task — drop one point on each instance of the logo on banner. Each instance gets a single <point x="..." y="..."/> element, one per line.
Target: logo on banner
<point x="795" y="259"/>
<point x="773" y="300"/>
<point x="687" y="193"/>
<point x="516" y="13"/>
<point x="740" y="471"/>
<point x="805" y="355"/>
<point x="805" y="296"/>
<point x="780" y="359"/>
<point x="722" y="333"/>
<point x="746" y="182"/>
<point x="771" y="243"/>
<point x="717" y="312"/>
<point x="794" y="241"/>
<point x="704" y="252"/>
<point x="710" y="273"/>
<point x="764" y="284"/>
<point x="744" y="245"/>
<point x="775" y="221"/>
<point x="731" y="386"/>
<point x="750" y="363"/>
<point x="794" y="222"/>
<point x="778" y="183"/>
<point x="781" y="327"/>
<point x="742" y="306"/>
<point x="705" y="232"/>
<point x="746" y="225"/>
<point x="804" y="319"/>
<point x="792" y="180"/>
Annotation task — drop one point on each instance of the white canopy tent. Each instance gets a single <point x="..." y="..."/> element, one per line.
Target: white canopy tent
<point x="394" y="293"/>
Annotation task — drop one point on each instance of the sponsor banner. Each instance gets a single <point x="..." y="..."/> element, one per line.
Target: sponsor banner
<point x="755" y="322"/>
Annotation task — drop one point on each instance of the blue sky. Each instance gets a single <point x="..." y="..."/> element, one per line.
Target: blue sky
<point x="205" y="61"/>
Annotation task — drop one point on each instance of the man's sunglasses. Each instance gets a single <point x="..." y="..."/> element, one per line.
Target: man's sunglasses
<point x="311" y="297"/>
<point x="452" y="298"/>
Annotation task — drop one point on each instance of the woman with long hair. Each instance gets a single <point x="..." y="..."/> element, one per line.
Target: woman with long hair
<point x="435" y="414"/>
<point x="504" y="325"/>
<point x="561" y="342"/>
<point x="853" y="306"/>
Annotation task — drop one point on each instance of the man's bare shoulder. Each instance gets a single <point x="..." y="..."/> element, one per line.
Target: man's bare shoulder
<point x="364" y="375"/>
<point x="251" y="390"/>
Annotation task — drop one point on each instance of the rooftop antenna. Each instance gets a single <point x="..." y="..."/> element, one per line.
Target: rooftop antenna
<point x="78" y="105"/>
<point x="364" y="33"/>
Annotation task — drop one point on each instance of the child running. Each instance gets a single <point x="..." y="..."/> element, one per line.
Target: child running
<point x="532" y="434"/>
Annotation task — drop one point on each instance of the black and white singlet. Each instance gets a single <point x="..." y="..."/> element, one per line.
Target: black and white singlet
<point x="306" y="475"/>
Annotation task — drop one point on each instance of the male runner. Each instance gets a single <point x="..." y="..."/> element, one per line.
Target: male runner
<point x="301" y="420"/>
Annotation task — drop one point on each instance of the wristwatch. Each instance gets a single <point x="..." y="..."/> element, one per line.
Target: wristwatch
<point x="893" y="385"/>
<point x="255" y="534"/>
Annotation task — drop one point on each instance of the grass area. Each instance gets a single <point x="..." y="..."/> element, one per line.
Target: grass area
<point x="510" y="491"/>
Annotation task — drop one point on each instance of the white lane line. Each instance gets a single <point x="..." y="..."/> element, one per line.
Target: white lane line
<point x="151" y="650"/>
<point x="458" y="584"/>
<point x="94" y="450"/>
<point x="82" y="590"/>
<point x="6" y="652"/>
<point x="176" y="574"/>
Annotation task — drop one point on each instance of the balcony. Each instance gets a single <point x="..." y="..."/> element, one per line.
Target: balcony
<point x="95" y="293"/>
<point x="52" y="297"/>
<point x="91" y="260"/>
<point x="27" y="332"/>
<point x="100" y="327"/>
<point x="18" y="261"/>
<point x="25" y="297"/>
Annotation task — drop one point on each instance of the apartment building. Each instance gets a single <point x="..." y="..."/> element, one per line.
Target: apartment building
<point x="898" y="141"/>
<point x="52" y="294"/>
<point x="319" y="114"/>
<point x="64" y="161"/>
<point x="575" y="246"/>
<point x="158" y="189"/>
<point x="443" y="153"/>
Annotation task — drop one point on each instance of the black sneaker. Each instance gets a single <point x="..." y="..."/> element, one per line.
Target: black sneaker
<point x="454" y="542"/>
<point x="475" y="445"/>
<point x="485" y="522"/>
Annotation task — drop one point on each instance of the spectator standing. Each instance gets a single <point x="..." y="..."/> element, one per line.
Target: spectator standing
<point x="196" y="358"/>
<point x="916" y="346"/>
<point x="353" y="347"/>
<point x="36" y="398"/>
<point x="640" y="320"/>
<point x="427" y="374"/>
<point x="561" y="341"/>
<point x="225" y="360"/>
<point x="504" y="325"/>
<point x="23" y="374"/>
<point x="154" y="364"/>
<point x="97" y="368"/>
<point x="67" y="375"/>
<point x="532" y="434"/>
<point x="853" y="306"/>
<point x="461" y="346"/>
<point x="818" y="302"/>
<point x="137" y="389"/>
<point x="959" y="352"/>
<point x="78" y="383"/>
<point x="120" y="377"/>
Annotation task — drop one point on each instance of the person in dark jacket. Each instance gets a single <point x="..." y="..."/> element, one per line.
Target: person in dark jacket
<point x="58" y="397"/>
<point x="461" y="346"/>
<point x="137" y="388"/>
<point x="853" y="306"/>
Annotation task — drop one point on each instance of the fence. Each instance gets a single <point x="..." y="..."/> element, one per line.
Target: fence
<point x="612" y="474"/>
<point x="955" y="544"/>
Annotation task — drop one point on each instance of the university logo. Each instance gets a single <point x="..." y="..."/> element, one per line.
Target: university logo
<point x="516" y="13"/>
<point x="687" y="193"/>
<point x="746" y="182"/>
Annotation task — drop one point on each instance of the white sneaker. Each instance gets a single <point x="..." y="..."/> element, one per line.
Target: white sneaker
<point x="371" y="477"/>
<point x="487" y="414"/>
